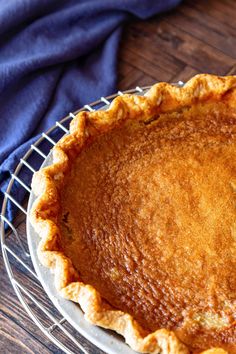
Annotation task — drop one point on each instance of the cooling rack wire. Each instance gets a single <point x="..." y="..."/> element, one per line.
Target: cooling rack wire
<point x="14" y="245"/>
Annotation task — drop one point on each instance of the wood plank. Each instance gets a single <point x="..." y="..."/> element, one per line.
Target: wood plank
<point x="220" y="10"/>
<point x="232" y="71"/>
<point x="133" y="79"/>
<point x="206" y="19"/>
<point x="142" y="65"/>
<point x="150" y="52"/>
<point x="184" y="75"/>
<point x="124" y="68"/>
<point x="192" y="22"/>
<point x="184" y="47"/>
<point x="14" y="339"/>
<point x="231" y="3"/>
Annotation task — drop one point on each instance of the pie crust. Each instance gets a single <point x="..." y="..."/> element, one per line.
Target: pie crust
<point x="179" y="116"/>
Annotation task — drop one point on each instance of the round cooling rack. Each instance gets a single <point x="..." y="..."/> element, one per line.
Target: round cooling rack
<point x="60" y="320"/>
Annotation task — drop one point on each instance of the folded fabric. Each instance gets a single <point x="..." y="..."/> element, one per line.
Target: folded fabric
<point x="55" y="57"/>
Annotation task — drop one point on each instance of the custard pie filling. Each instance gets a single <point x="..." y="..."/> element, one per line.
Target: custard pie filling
<point x="151" y="215"/>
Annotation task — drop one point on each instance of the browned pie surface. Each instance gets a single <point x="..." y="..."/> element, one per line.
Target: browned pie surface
<point x="149" y="219"/>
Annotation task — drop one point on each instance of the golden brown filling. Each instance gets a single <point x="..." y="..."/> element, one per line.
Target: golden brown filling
<point x="149" y="219"/>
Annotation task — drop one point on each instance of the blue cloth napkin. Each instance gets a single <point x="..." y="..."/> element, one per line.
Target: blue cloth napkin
<point x="56" y="56"/>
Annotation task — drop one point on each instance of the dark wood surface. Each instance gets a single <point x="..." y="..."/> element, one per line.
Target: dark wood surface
<point x="198" y="36"/>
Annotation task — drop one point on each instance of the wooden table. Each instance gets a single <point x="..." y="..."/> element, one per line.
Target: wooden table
<point x="199" y="36"/>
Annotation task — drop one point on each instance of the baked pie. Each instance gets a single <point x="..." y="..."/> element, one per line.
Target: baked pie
<point x="137" y="216"/>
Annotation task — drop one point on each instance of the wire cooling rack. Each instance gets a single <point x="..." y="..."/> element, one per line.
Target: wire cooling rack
<point x="15" y="250"/>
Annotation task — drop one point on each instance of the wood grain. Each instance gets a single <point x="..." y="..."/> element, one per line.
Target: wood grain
<point x="199" y="36"/>
<point x="11" y="331"/>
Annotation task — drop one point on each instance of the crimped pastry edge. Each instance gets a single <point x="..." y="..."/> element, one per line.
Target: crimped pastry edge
<point x="46" y="183"/>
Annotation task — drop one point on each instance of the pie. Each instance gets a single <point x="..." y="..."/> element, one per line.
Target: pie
<point x="137" y="216"/>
